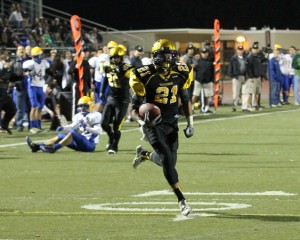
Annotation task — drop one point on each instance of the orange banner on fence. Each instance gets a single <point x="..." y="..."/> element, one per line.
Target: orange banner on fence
<point x="76" y="32"/>
<point x="217" y="46"/>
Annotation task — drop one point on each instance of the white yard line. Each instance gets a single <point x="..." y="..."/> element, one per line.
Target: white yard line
<point x="168" y="192"/>
<point x="182" y="123"/>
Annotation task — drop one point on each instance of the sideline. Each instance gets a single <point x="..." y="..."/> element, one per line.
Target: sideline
<point x="183" y="123"/>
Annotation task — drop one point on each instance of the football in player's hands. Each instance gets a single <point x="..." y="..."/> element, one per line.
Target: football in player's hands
<point x="150" y="114"/>
<point x="153" y="110"/>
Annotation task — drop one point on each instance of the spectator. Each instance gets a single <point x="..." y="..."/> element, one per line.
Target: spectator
<point x="6" y="103"/>
<point x="47" y="39"/>
<point x="53" y="53"/>
<point x="288" y="73"/>
<point x="56" y="71"/>
<point x="6" y="37"/>
<point x="51" y="110"/>
<point x="67" y="78"/>
<point x="275" y="79"/>
<point x="211" y="50"/>
<point x="252" y="87"/>
<point x="15" y="18"/>
<point x="35" y="39"/>
<point x="57" y="29"/>
<point x="136" y="59"/>
<point x="237" y="70"/>
<point x="28" y="52"/>
<point x="204" y="81"/>
<point x="21" y="93"/>
<point x="189" y="59"/>
<point x="296" y="67"/>
<point x="189" y="56"/>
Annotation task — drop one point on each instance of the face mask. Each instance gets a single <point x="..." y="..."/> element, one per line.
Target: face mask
<point x="37" y="60"/>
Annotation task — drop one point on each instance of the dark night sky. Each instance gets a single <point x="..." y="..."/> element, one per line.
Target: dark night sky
<point x="160" y="14"/>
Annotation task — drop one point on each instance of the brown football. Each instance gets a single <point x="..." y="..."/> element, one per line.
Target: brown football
<point x="153" y="110"/>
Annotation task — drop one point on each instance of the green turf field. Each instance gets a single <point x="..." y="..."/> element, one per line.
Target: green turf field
<point x="240" y="173"/>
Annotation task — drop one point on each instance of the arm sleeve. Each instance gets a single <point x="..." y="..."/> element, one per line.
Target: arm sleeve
<point x="136" y="85"/>
<point x="184" y="95"/>
<point x="46" y="109"/>
<point x="93" y="120"/>
<point x="71" y="126"/>
<point x="136" y="102"/>
<point x="96" y="129"/>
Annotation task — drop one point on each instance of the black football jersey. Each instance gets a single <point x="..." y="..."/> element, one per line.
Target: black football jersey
<point x="117" y="77"/>
<point x="163" y="91"/>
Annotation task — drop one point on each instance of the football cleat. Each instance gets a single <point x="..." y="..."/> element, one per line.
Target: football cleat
<point x="140" y="156"/>
<point x="47" y="149"/>
<point x="184" y="207"/>
<point x="112" y="149"/>
<point x="34" y="147"/>
<point x="5" y="130"/>
<point x="34" y="130"/>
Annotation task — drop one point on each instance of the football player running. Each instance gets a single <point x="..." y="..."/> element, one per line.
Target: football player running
<point x="83" y="132"/>
<point x="162" y="84"/>
<point x="117" y="75"/>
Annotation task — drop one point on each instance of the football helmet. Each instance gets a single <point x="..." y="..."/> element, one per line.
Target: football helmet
<point x="164" y="55"/>
<point x="277" y="46"/>
<point x="36" y="51"/>
<point x="114" y="53"/>
<point x="123" y="47"/>
<point x="84" y="104"/>
<point x="112" y="44"/>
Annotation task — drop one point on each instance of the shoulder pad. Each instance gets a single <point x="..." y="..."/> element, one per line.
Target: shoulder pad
<point x="145" y="71"/>
<point x="94" y="117"/>
<point x="126" y="67"/>
<point x="28" y="64"/>
<point x="182" y="67"/>
<point x="46" y="63"/>
<point x="106" y="64"/>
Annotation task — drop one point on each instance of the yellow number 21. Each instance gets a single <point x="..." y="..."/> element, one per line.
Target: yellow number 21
<point x="162" y="94"/>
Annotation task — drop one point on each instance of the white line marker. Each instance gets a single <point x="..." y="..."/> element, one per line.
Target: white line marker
<point x="118" y="206"/>
<point x="167" y="192"/>
<point x="184" y="123"/>
<point x="180" y="217"/>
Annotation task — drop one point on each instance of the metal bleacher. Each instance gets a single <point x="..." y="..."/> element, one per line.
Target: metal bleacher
<point x="36" y="9"/>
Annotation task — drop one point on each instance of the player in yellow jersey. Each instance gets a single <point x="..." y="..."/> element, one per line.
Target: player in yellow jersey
<point x="162" y="84"/>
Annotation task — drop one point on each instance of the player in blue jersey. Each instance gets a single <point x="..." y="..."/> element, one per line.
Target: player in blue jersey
<point x="83" y="132"/>
<point x="35" y="69"/>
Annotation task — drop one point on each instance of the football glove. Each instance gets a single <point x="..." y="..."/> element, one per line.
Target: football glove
<point x="147" y="122"/>
<point x="188" y="131"/>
